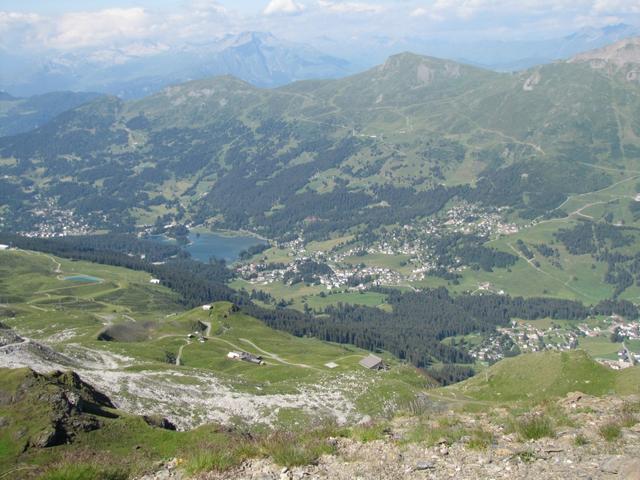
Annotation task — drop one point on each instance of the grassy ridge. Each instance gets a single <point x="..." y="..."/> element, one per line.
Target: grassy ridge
<point x="535" y="377"/>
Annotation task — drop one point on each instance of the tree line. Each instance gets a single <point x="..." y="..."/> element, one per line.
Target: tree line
<point x="413" y="330"/>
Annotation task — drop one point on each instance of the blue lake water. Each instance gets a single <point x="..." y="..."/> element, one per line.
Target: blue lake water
<point x="207" y="245"/>
<point x="83" y="279"/>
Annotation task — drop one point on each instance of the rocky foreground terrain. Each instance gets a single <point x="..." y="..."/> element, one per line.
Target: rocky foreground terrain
<point x="580" y="437"/>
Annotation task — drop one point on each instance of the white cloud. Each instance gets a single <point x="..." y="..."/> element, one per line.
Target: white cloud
<point x="207" y="6"/>
<point x="350" y="7"/>
<point x="469" y="8"/>
<point x="83" y="29"/>
<point x="617" y="6"/>
<point x="199" y="20"/>
<point x="19" y="30"/>
<point x="426" y="13"/>
<point x="288" y="7"/>
<point x="202" y="20"/>
<point x="8" y="19"/>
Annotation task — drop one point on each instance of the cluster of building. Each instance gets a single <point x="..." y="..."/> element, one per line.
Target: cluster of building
<point x="614" y="324"/>
<point x="338" y="276"/>
<point x="414" y="241"/>
<point x="469" y="218"/>
<point x="417" y="240"/>
<point x="50" y="221"/>
<point x="524" y="338"/>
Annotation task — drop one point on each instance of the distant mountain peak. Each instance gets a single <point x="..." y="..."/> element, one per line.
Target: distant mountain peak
<point x="259" y="58"/>
<point x="616" y="30"/>
<point x="422" y="70"/>
<point x="618" y="55"/>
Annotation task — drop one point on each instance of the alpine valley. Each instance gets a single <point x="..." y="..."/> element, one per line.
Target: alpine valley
<point x="441" y="275"/>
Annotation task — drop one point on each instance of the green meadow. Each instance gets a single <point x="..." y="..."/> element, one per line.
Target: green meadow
<point x="148" y="325"/>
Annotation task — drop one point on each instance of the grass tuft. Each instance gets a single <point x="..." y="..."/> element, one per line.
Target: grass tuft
<point x="215" y="460"/>
<point x="369" y="432"/>
<point x="533" y="427"/>
<point x="480" y="440"/>
<point x="580" y="440"/>
<point x="291" y="450"/>
<point x="610" y="431"/>
<point x="84" y="472"/>
<point x="526" y="456"/>
<point x="445" y="429"/>
<point x="629" y="414"/>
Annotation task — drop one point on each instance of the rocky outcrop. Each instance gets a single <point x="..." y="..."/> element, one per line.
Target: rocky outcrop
<point x="65" y="403"/>
<point x="54" y="408"/>
<point x="575" y="450"/>
<point x="157" y="421"/>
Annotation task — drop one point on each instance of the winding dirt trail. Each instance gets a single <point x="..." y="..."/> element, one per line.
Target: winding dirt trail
<point x="179" y="356"/>
<point x="274" y="356"/>
<point x="207" y="332"/>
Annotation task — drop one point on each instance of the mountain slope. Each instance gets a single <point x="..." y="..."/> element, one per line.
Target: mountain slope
<point x="270" y="159"/>
<point x="554" y="374"/>
<point x="18" y="115"/>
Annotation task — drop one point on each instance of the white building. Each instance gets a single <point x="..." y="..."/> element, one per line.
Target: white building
<point x="155" y="281"/>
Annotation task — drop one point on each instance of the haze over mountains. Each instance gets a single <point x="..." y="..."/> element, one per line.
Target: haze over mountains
<point x="144" y="67"/>
<point x="499" y="55"/>
<point x="19" y="115"/>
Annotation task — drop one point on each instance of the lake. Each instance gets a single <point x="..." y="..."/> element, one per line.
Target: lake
<point x="207" y="245"/>
<point x="83" y="279"/>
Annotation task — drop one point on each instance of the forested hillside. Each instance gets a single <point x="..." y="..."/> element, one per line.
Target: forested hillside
<point x="389" y="145"/>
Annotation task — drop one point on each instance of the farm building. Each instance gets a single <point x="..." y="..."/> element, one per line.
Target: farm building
<point x="373" y="363"/>
<point x="206" y="308"/>
<point x="246" y="357"/>
<point x="155" y="281"/>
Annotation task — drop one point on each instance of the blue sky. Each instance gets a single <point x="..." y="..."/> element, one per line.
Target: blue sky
<point x="72" y="24"/>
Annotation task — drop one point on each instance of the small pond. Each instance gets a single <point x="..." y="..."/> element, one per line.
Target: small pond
<point x="83" y="279"/>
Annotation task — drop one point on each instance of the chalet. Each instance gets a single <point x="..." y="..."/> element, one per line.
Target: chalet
<point x="155" y="281"/>
<point x="246" y="357"/>
<point x="373" y="363"/>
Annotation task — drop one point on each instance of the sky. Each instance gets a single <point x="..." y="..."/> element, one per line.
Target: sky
<point x="67" y="25"/>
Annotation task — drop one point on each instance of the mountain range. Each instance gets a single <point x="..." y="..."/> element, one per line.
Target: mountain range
<point x="146" y="67"/>
<point x="385" y="146"/>
<point x="493" y="54"/>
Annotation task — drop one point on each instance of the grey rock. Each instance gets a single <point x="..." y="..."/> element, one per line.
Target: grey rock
<point x="612" y="464"/>
<point x="630" y="469"/>
<point x="424" y="466"/>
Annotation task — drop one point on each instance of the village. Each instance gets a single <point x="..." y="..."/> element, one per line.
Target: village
<point x="342" y="266"/>
<point x="526" y="337"/>
<point x="50" y="221"/>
